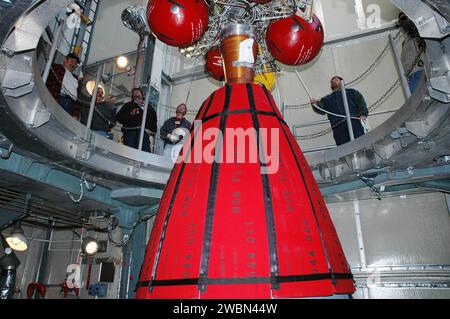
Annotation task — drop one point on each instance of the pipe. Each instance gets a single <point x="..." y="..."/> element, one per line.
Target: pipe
<point x="105" y="61"/>
<point x="139" y="62"/>
<point x="144" y="117"/>
<point x="124" y="281"/>
<point x="94" y="96"/>
<point x="26" y="267"/>
<point x="42" y="263"/>
<point x="112" y="79"/>
<point x="8" y="266"/>
<point x="360" y="238"/>
<point x="309" y="10"/>
<point x="321" y="122"/>
<point x="355" y="160"/>
<point x="318" y="149"/>
<point x="7" y="283"/>
<point x="304" y="85"/>
<point x="347" y="112"/>
<point x="361" y="247"/>
<point x="53" y="49"/>
<point x="6" y="154"/>
<point x="400" y="69"/>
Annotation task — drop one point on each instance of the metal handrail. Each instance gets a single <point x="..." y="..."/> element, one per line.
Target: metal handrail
<point x="321" y="122"/>
<point x="318" y="149"/>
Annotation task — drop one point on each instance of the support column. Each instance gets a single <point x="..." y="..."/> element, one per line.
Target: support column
<point x="400" y="69"/>
<point x="54" y="47"/>
<point x="134" y="251"/>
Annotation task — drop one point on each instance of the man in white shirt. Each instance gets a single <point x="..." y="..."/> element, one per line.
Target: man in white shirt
<point x="63" y="84"/>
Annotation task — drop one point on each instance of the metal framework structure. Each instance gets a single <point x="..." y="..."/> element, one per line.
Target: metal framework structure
<point x="37" y="136"/>
<point x="259" y="16"/>
<point x="29" y="110"/>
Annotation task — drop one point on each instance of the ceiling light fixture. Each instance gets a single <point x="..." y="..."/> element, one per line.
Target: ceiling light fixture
<point x="17" y="240"/>
<point x="122" y="62"/>
<point x="90" y="246"/>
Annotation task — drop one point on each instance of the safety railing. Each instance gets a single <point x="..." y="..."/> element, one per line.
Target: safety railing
<point x="322" y="122"/>
<point x="100" y="70"/>
<point x="402" y="80"/>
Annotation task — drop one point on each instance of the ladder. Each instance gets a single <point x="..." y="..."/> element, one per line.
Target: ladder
<point x="82" y="39"/>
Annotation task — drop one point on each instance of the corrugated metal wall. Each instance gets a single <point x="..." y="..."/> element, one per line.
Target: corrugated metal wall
<point x="405" y="242"/>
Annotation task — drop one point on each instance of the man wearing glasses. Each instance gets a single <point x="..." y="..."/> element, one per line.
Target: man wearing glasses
<point x="130" y="116"/>
<point x="168" y="131"/>
<point x="172" y="132"/>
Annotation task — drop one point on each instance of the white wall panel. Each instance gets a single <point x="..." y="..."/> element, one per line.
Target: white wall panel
<point x="414" y="229"/>
<point x="418" y="293"/>
<point x="398" y="232"/>
<point x="406" y="230"/>
<point x="111" y="38"/>
<point x="344" y="222"/>
<point x="344" y="17"/>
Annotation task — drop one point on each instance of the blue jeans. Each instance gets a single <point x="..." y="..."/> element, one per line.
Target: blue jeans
<point x="414" y="80"/>
<point x="67" y="103"/>
<point x="131" y="139"/>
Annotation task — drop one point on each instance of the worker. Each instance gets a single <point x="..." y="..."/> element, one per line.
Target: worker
<point x="63" y="83"/>
<point x="130" y="116"/>
<point x="413" y="52"/>
<point x="104" y="116"/>
<point x="334" y="103"/>
<point x="173" y="132"/>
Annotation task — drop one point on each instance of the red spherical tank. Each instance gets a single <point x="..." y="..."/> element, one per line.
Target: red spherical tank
<point x="214" y="64"/>
<point x="294" y="41"/>
<point x="178" y="23"/>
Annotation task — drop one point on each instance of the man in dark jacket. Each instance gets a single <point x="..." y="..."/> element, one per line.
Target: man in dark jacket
<point x="104" y="115"/>
<point x="334" y="103"/>
<point x="130" y="116"/>
<point x="63" y="84"/>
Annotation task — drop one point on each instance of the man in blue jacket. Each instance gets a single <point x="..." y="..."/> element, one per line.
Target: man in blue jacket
<point x="334" y="103"/>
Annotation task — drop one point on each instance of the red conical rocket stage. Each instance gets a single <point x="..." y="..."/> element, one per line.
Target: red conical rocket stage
<point x="224" y="230"/>
<point x="252" y="224"/>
